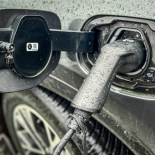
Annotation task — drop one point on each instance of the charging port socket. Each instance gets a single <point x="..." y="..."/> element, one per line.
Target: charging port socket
<point x="111" y="28"/>
<point x="133" y="34"/>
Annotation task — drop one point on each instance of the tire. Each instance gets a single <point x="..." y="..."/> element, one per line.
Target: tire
<point x="55" y="110"/>
<point x="53" y="116"/>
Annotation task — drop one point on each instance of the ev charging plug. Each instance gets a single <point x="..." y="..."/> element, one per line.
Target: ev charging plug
<point x="126" y="55"/>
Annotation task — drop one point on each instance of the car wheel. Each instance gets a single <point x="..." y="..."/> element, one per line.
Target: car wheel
<point x="34" y="128"/>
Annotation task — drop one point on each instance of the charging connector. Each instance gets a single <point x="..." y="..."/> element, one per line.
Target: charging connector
<point x="94" y="91"/>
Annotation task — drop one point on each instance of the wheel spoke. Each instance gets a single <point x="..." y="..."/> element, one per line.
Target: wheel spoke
<point x="28" y="117"/>
<point x="21" y="135"/>
<point x="52" y="139"/>
<point x="32" y="150"/>
<point x="49" y="136"/>
<point x="20" y="119"/>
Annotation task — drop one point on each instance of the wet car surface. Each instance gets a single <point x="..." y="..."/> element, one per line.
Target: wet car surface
<point x="127" y="114"/>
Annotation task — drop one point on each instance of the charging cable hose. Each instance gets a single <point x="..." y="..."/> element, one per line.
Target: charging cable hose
<point x="64" y="141"/>
<point x="122" y="56"/>
<point x="77" y="124"/>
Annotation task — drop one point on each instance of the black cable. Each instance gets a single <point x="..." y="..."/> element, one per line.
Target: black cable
<point x="64" y="141"/>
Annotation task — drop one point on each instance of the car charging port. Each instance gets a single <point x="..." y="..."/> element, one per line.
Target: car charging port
<point x="109" y="29"/>
<point x="134" y="34"/>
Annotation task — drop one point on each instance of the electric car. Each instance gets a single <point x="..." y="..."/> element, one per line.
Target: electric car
<point x="36" y="119"/>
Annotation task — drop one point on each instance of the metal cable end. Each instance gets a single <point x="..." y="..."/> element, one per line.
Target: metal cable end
<point x="5" y="46"/>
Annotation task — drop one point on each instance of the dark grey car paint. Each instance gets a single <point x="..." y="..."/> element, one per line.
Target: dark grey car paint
<point x="127" y="114"/>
